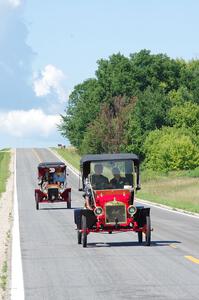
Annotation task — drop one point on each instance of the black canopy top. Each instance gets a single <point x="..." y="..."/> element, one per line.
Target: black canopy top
<point x="107" y="157"/>
<point x="51" y="165"/>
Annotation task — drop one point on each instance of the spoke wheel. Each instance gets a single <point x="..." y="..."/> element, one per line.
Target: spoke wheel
<point x="37" y="201"/>
<point x="139" y="237"/>
<point x="79" y="237"/>
<point x="69" y="201"/>
<point x="84" y="233"/>
<point x="148" y="231"/>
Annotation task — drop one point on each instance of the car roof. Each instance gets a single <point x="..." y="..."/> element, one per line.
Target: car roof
<point x="104" y="157"/>
<point x="51" y="164"/>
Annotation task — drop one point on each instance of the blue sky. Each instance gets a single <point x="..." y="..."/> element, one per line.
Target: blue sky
<point x="47" y="47"/>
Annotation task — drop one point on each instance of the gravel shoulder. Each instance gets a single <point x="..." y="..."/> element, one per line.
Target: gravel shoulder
<point x="6" y="216"/>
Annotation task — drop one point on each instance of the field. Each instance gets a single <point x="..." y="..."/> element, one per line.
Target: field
<point x="178" y="190"/>
<point x="175" y="189"/>
<point x="4" y="169"/>
<point x="69" y="154"/>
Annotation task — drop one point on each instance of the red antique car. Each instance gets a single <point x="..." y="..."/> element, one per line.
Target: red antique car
<point x="109" y="184"/>
<point x="52" y="184"/>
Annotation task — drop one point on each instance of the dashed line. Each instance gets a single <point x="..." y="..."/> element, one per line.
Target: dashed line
<point x="193" y="259"/>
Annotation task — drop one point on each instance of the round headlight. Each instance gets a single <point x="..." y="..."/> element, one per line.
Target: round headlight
<point x="98" y="211"/>
<point x="132" y="210"/>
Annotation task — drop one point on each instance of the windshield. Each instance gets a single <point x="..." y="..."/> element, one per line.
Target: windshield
<point x="112" y="175"/>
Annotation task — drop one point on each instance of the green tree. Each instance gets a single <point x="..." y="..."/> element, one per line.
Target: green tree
<point x="186" y="116"/>
<point x="83" y="107"/>
<point x="149" y="114"/>
<point x="107" y="132"/>
<point x="170" y="149"/>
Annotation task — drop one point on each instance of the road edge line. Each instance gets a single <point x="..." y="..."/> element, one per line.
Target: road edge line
<point x="73" y="169"/>
<point x="161" y="206"/>
<point x="17" y="284"/>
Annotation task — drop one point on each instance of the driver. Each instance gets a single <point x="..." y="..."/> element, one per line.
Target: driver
<point x="99" y="181"/>
<point x="58" y="176"/>
<point x="117" y="182"/>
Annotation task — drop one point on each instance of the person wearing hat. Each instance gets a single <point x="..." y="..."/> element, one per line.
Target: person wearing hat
<point x="117" y="182"/>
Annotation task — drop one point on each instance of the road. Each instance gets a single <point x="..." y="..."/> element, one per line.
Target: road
<point x="113" y="266"/>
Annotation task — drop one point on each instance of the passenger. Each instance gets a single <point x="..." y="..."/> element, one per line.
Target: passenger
<point x="99" y="181"/>
<point x="117" y="182"/>
<point x="59" y="176"/>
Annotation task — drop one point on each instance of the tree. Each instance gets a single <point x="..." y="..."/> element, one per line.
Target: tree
<point x="107" y="132"/>
<point x="170" y="149"/>
<point x="83" y="107"/>
<point x="149" y="114"/>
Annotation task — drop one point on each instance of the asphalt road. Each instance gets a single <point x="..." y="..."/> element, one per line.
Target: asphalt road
<point x="113" y="266"/>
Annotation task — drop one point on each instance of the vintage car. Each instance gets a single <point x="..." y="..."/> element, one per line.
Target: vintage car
<point x="52" y="184"/>
<point x="109" y="182"/>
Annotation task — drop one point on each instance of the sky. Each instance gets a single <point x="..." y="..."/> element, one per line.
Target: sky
<point x="47" y="47"/>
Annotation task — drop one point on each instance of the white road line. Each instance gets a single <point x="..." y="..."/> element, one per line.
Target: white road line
<point x="17" y="285"/>
<point x="169" y="209"/>
<point x="71" y="168"/>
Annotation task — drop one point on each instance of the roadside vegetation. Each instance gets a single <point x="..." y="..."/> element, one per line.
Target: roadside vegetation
<point x="177" y="189"/>
<point x="146" y="104"/>
<point x="70" y="154"/>
<point x="4" y="168"/>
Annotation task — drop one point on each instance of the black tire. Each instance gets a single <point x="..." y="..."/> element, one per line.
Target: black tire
<point x="37" y="201"/>
<point x="69" y="201"/>
<point x="79" y="237"/>
<point x="148" y="231"/>
<point x="140" y="237"/>
<point x="84" y="233"/>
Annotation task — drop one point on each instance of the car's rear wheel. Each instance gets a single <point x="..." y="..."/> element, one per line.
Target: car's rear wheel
<point x="79" y="237"/>
<point x="148" y="231"/>
<point x="84" y="233"/>
<point x="140" y="237"/>
<point x="37" y="201"/>
<point x="69" y="201"/>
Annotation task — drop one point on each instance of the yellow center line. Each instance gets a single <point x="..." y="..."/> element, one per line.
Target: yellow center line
<point x="193" y="259"/>
<point x="37" y="155"/>
<point x="173" y="246"/>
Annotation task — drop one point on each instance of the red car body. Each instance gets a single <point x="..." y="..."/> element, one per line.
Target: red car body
<point x="113" y="209"/>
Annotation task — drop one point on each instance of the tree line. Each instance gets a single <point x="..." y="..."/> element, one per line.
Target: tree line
<point x="145" y="103"/>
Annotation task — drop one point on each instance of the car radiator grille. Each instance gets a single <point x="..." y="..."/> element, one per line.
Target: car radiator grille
<point x="115" y="214"/>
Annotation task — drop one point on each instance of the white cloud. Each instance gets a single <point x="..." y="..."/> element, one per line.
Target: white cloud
<point x="34" y="122"/>
<point x="50" y="81"/>
<point x="15" y="3"/>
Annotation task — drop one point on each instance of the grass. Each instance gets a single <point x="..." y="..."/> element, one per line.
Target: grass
<point x="179" y="189"/>
<point x="3" y="276"/>
<point x="4" y="169"/>
<point x="175" y="189"/>
<point x="70" y="154"/>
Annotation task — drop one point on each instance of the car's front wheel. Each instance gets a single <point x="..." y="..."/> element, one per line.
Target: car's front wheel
<point x="148" y="231"/>
<point x="84" y="231"/>
<point x="79" y="236"/>
<point x="139" y="237"/>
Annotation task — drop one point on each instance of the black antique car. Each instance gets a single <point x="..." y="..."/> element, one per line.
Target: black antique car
<point x="109" y="182"/>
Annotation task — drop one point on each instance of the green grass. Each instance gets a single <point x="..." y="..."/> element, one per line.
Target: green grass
<point x="4" y="169"/>
<point x="179" y="189"/>
<point x="175" y="189"/>
<point x="70" y="154"/>
<point x="4" y="276"/>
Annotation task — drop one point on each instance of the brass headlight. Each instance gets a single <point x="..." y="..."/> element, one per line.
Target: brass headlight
<point x="98" y="211"/>
<point x="132" y="210"/>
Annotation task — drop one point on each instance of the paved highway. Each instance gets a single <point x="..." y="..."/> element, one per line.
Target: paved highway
<point x="113" y="266"/>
